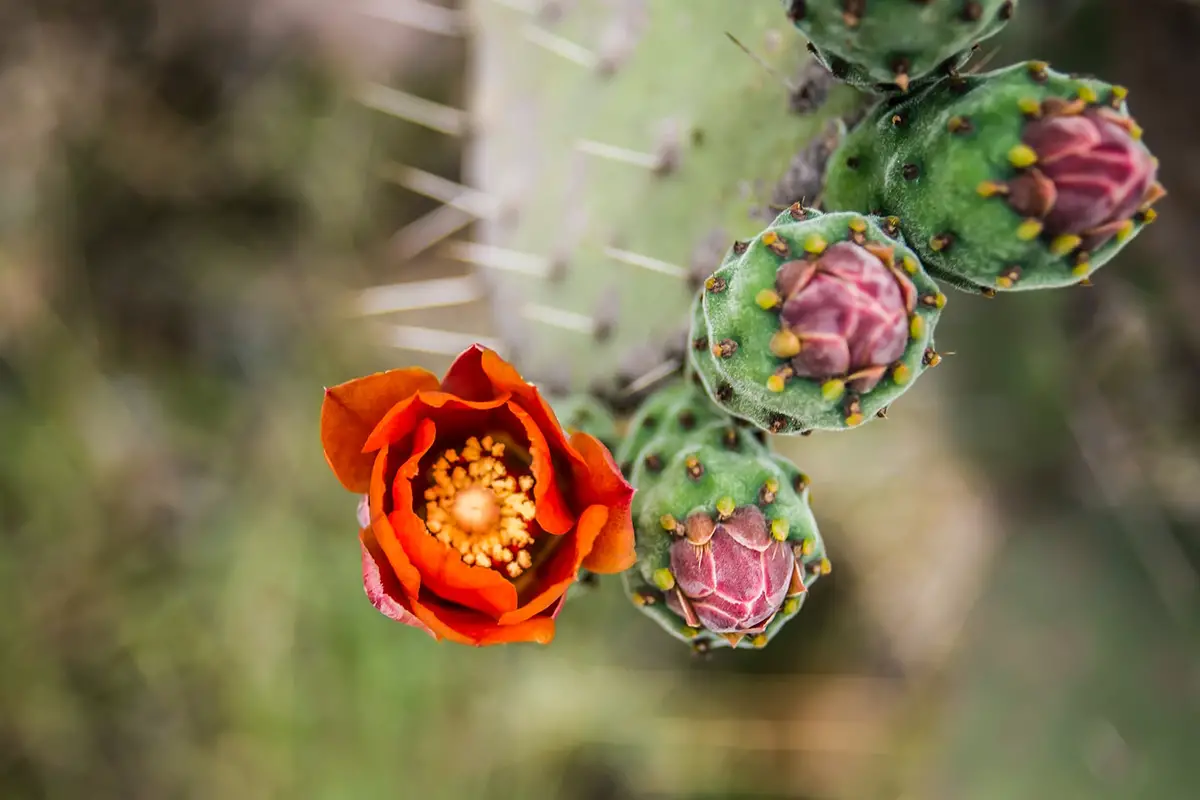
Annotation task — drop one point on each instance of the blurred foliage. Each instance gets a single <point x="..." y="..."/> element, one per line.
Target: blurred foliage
<point x="186" y="192"/>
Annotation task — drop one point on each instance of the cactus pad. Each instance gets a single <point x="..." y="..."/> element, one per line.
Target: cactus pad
<point x="727" y="546"/>
<point x="612" y="139"/>
<point x="819" y="322"/>
<point x="672" y="412"/>
<point x="886" y="44"/>
<point x="1022" y="178"/>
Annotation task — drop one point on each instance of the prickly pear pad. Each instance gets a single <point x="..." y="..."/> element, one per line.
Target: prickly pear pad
<point x="674" y="410"/>
<point x="737" y="317"/>
<point x="704" y="479"/>
<point x="942" y="160"/>
<point x="886" y="44"/>
<point x="722" y="433"/>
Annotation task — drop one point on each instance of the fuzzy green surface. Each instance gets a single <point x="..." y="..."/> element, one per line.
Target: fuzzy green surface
<point x="536" y="108"/>
<point x="582" y="412"/>
<point x="675" y="409"/>
<point x="926" y="35"/>
<point x="726" y="474"/>
<point x="738" y="384"/>
<point x="944" y="197"/>
<point x="722" y="434"/>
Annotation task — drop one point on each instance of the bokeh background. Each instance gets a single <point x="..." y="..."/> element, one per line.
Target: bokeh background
<point x="196" y="208"/>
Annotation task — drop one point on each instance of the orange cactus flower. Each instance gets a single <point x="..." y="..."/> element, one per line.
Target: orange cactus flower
<point x="478" y="510"/>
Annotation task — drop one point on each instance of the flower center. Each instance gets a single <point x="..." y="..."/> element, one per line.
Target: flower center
<point x="476" y="507"/>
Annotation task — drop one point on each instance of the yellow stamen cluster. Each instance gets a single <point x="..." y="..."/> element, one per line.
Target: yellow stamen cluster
<point x="475" y="507"/>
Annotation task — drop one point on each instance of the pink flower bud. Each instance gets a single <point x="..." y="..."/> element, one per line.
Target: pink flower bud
<point x="738" y="578"/>
<point x="849" y="310"/>
<point x="1091" y="175"/>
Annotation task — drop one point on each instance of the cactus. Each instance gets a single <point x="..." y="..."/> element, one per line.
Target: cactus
<point x="888" y="44"/>
<point x="1022" y="178"/>
<point x="727" y="545"/>
<point x="666" y="417"/>
<point x="615" y="138"/>
<point x="820" y="322"/>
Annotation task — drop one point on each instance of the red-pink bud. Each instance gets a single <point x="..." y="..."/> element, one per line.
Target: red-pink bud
<point x="850" y="311"/>
<point x="738" y="579"/>
<point x="1090" y="177"/>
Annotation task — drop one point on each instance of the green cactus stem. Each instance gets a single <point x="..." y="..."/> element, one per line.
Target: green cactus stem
<point x="675" y="411"/>
<point x="1023" y="178"/>
<point x="819" y="322"/>
<point x="889" y="44"/>
<point x="612" y="139"/>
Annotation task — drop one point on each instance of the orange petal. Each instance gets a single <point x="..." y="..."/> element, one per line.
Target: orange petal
<point x="430" y="617"/>
<point x="505" y="378"/>
<point x="403" y="418"/>
<point x="383" y="532"/>
<point x="562" y="570"/>
<point x="553" y="513"/>
<point x="441" y="568"/>
<point x="382" y="589"/>
<point x="466" y="378"/>
<point x="480" y="373"/>
<point x="601" y="483"/>
<point x="476" y="629"/>
<point x="352" y="409"/>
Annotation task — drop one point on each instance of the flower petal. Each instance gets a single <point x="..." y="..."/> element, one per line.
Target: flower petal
<point x="352" y="409"/>
<point x="382" y="531"/>
<point x="602" y="483"/>
<point x="474" y="628"/>
<point x="556" y="576"/>
<point x="403" y="418"/>
<point x="467" y="379"/>
<point x="553" y="513"/>
<point x="441" y="568"/>
<point x="381" y="586"/>
<point x="505" y="378"/>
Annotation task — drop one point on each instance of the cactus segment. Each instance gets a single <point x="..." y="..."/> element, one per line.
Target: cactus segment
<point x="673" y="411"/>
<point x="610" y="147"/>
<point x="1022" y="178"/>
<point x="889" y="44"/>
<point x="727" y="546"/>
<point x="818" y="323"/>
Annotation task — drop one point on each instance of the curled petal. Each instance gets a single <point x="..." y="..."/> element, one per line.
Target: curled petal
<point x="441" y="568"/>
<point x="381" y="586"/>
<point x="601" y="483"/>
<point x="401" y="420"/>
<point x="472" y="628"/>
<point x="562" y="568"/>
<point x="352" y="409"/>
<point x="553" y="513"/>
<point x="383" y="533"/>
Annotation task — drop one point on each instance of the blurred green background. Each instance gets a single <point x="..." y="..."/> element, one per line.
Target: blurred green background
<point x="192" y="197"/>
